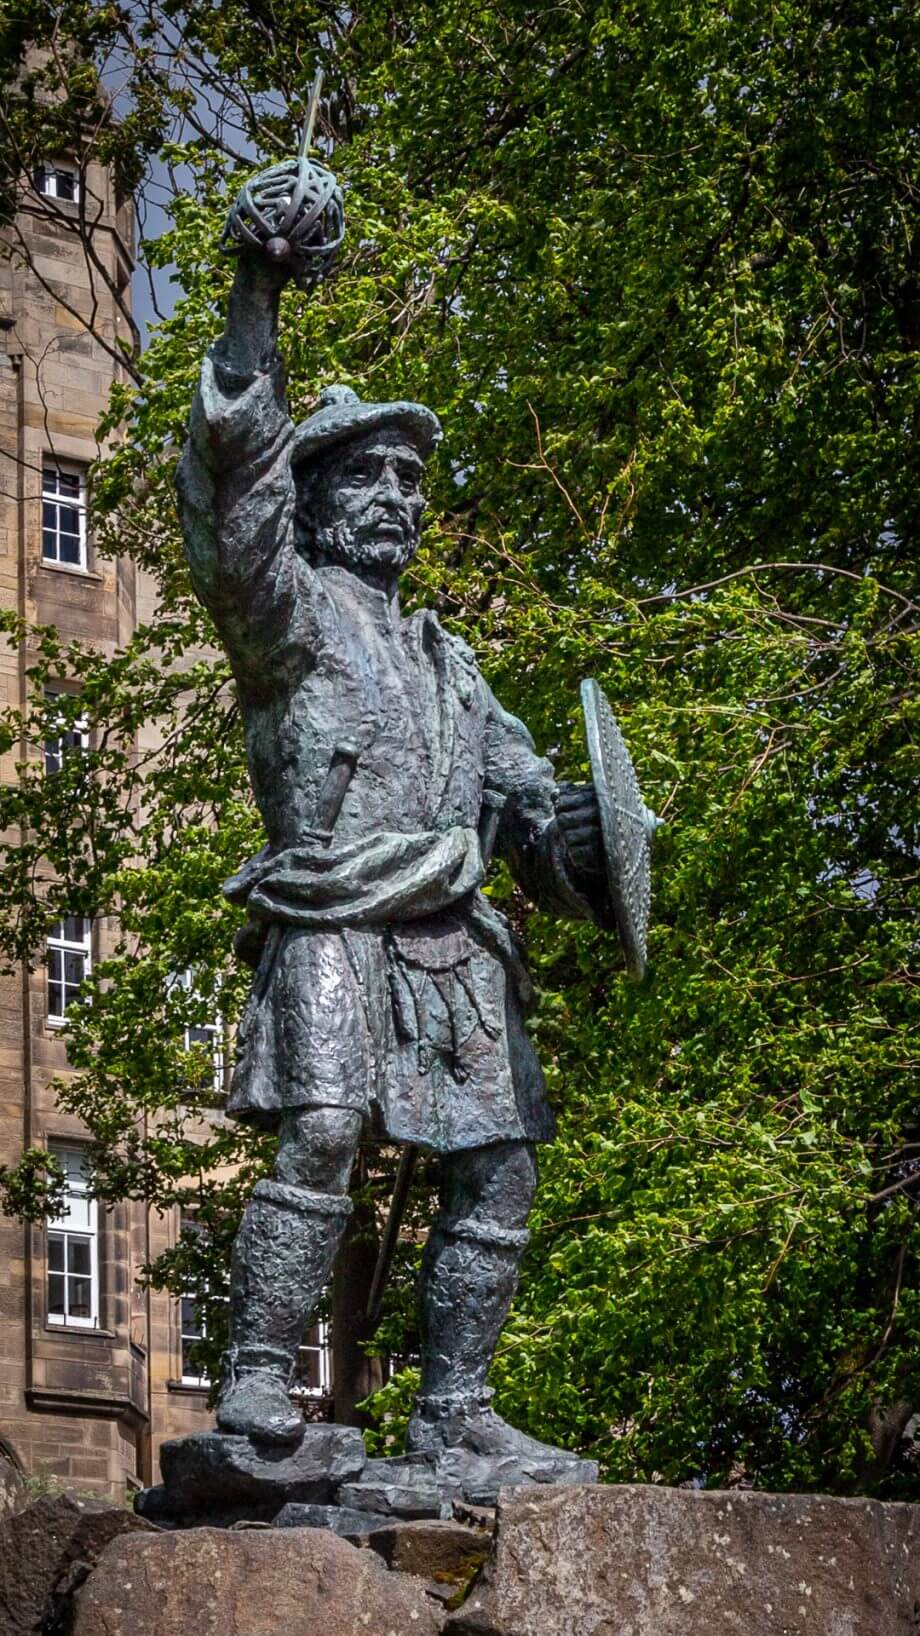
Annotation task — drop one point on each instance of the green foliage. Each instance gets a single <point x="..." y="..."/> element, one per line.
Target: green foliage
<point x="390" y="1409"/>
<point x="33" y="1189"/>
<point x="655" y="269"/>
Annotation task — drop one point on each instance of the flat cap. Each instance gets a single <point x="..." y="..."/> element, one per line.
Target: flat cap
<point x="342" y="415"/>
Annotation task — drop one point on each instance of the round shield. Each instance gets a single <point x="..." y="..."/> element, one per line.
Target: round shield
<point x="627" y="825"/>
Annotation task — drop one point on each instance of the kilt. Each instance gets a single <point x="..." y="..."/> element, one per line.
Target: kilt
<point x="419" y="1027"/>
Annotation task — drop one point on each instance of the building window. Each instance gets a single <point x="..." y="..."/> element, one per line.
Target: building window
<point x="73" y="1248"/>
<point x="206" y="1039"/>
<point x="194" y="1302"/>
<point x="314" y="1363"/>
<point x="57" y="182"/>
<point x="193" y="1327"/>
<point x="69" y="962"/>
<point x="63" y="516"/>
<point x="72" y="739"/>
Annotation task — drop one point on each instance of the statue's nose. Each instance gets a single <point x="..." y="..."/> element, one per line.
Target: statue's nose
<point x="388" y="486"/>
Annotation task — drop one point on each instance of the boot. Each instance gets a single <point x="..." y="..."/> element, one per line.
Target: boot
<point x="467" y="1425"/>
<point x="282" y="1258"/>
<point x="469" y="1276"/>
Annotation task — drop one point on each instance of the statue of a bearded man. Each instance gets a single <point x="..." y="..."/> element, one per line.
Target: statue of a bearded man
<point x="388" y="993"/>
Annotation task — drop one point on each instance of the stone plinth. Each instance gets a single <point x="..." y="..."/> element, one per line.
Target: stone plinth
<point x="630" y="1561"/>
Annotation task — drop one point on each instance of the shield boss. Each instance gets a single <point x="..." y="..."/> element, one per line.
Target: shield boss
<point x="627" y="825"/>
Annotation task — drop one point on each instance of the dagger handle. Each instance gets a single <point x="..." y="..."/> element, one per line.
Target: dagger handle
<point x="335" y="785"/>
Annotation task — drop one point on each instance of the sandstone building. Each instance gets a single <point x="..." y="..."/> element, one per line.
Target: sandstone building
<point x="94" y="1370"/>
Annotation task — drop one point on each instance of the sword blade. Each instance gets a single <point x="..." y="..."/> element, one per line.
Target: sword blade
<point x="388" y="1242"/>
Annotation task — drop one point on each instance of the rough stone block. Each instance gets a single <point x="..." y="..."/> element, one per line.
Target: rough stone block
<point x="14" y="1496"/>
<point x="445" y="1553"/>
<point x="257" y="1582"/>
<point x="47" y="1550"/>
<point x="340" y="1518"/>
<point x="479" y="1478"/>
<point x="211" y="1475"/>
<point x="405" y="1486"/>
<point x="643" y="1561"/>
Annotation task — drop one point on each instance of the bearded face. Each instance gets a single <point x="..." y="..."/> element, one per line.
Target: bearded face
<point x="362" y="506"/>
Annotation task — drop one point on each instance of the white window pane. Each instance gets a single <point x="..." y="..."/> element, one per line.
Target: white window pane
<point x="74" y="966"/>
<point x="79" y="1215"/>
<point x="73" y="1164"/>
<point x="72" y="1246"/>
<point x="56" y="1294"/>
<point x="78" y="1256"/>
<point x="80" y="1298"/>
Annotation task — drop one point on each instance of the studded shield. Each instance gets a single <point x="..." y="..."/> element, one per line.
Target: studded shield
<point x="627" y="825"/>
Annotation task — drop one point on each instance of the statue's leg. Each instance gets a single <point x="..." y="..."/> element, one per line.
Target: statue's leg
<point x="282" y="1259"/>
<point x="469" y="1276"/>
<point x="470" y="1266"/>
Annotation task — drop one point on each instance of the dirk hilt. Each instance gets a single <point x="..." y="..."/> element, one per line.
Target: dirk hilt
<point x="489" y="819"/>
<point x="335" y="785"/>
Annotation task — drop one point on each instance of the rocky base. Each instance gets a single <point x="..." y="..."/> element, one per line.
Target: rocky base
<point x="568" y="1561"/>
<point x="218" y="1479"/>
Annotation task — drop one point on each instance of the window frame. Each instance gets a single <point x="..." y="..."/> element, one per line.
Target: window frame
<point x="196" y="1296"/>
<point x="64" y="946"/>
<point x="55" y="749"/>
<point x="49" y="171"/>
<point x="321" y="1348"/>
<point x="52" y="468"/>
<point x="196" y="1302"/>
<point x="59" y="1227"/>
<point x="216" y="1036"/>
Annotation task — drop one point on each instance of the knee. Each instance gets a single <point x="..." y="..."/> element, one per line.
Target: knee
<point x="494" y="1184"/>
<point x="316" y="1148"/>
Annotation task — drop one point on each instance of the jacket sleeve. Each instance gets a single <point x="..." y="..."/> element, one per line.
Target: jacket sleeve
<point x="236" y="504"/>
<point x="528" y="837"/>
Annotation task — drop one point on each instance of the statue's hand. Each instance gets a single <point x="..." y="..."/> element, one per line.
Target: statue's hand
<point x="579" y="825"/>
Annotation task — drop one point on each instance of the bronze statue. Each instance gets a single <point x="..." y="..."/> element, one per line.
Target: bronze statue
<point x="388" y="991"/>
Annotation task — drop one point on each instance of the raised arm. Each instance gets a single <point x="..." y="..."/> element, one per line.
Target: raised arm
<point x="236" y="496"/>
<point x="236" y="491"/>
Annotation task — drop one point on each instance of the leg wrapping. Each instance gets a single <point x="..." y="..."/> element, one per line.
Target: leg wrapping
<point x="282" y="1259"/>
<point x="469" y="1276"/>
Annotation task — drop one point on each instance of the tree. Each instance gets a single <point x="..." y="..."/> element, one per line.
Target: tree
<point x="655" y="271"/>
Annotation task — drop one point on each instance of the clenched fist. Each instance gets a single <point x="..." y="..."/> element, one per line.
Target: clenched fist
<point x="579" y="824"/>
